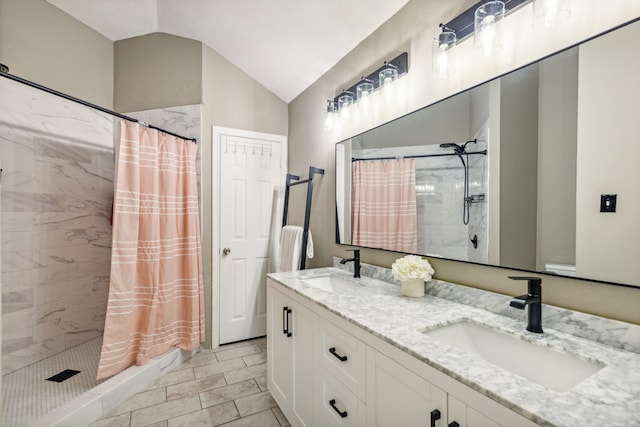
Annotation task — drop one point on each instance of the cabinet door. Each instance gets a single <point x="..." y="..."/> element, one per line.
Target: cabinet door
<point x="302" y="326"/>
<point x="398" y="397"/>
<point x="279" y="369"/>
<point x="466" y="416"/>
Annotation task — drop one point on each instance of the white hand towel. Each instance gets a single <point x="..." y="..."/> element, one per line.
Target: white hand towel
<point x="290" y="247"/>
<point x="290" y="241"/>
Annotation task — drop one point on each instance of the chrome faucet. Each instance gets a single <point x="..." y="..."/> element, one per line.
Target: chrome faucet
<point x="356" y="261"/>
<point x="533" y="299"/>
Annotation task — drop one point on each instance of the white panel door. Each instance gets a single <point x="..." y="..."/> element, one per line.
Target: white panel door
<point x="251" y="168"/>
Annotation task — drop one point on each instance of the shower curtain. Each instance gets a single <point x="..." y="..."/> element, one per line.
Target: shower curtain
<point x="384" y="213"/>
<point x="156" y="291"/>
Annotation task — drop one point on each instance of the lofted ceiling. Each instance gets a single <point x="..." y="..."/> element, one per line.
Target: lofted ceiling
<point x="286" y="45"/>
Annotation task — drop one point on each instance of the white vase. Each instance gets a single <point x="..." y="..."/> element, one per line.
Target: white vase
<point x="412" y="287"/>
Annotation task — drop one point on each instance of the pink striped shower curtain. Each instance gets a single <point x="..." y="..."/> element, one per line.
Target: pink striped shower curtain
<point x="384" y="210"/>
<point x="156" y="293"/>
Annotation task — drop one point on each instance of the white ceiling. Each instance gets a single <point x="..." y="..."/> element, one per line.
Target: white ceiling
<point x="286" y="45"/>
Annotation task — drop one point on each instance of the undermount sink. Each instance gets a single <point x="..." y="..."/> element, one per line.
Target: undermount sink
<point x="548" y="367"/>
<point x="330" y="283"/>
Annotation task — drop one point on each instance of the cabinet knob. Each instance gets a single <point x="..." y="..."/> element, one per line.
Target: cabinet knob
<point x="454" y="424"/>
<point x="435" y="416"/>
<point x="343" y="414"/>
<point x="332" y="350"/>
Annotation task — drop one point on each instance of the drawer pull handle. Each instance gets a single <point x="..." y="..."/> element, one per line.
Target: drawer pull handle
<point x="332" y="350"/>
<point x="435" y="416"/>
<point x="343" y="414"/>
<point x="289" y="328"/>
<point x="284" y="320"/>
<point x="454" y="424"/>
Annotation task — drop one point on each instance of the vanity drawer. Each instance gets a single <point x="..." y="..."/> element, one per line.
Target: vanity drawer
<point x="335" y="404"/>
<point x="343" y="355"/>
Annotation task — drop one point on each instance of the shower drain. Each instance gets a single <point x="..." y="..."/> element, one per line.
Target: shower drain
<point x="63" y="376"/>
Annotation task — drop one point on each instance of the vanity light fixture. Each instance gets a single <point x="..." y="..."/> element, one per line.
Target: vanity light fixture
<point x="480" y="19"/>
<point x="361" y="91"/>
<point x="441" y="61"/>
<point x="547" y="13"/>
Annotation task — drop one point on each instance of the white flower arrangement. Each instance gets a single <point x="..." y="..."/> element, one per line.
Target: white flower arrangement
<point x="412" y="267"/>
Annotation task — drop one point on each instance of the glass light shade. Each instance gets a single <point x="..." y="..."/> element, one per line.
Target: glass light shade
<point x="441" y="61"/>
<point x="547" y="13"/>
<point x="485" y="27"/>
<point x="387" y="76"/>
<point x="329" y="116"/>
<point x="363" y="90"/>
<point x="363" y="93"/>
<point x="344" y="102"/>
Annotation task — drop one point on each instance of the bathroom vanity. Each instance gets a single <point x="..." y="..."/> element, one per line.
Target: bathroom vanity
<point x="354" y="352"/>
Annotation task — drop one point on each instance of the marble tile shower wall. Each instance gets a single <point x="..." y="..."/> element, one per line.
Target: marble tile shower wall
<point x="440" y="193"/>
<point x="56" y="196"/>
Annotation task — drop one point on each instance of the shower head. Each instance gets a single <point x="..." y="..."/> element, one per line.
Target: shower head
<point x="459" y="149"/>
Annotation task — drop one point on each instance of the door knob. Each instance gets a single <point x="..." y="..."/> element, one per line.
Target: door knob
<point x="226" y="251"/>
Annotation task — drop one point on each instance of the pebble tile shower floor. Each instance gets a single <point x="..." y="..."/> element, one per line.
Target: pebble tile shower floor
<point x="222" y="387"/>
<point x="27" y="395"/>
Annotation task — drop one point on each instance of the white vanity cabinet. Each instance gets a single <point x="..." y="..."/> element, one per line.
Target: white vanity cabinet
<point x="291" y="331"/>
<point x="330" y="372"/>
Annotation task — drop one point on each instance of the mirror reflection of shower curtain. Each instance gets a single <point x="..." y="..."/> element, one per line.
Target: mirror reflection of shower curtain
<point x="384" y="205"/>
<point x="156" y="289"/>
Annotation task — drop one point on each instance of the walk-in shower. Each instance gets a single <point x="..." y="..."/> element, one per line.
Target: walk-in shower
<point x="56" y="193"/>
<point x="461" y="150"/>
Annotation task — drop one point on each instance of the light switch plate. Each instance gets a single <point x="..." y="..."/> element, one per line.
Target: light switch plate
<point x="608" y="202"/>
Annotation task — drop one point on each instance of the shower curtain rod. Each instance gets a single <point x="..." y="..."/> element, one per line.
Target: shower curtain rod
<point x="418" y="156"/>
<point x="88" y="104"/>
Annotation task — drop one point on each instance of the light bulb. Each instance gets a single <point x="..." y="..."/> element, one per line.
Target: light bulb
<point x="488" y="36"/>
<point x="442" y="44"/>
<point x="344" y="104"/>
<point x="363" y="91"/>
<point x="485" y="26"/>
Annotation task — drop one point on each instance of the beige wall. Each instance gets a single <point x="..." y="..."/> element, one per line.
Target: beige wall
<point x="41" y="43"/>
<point x="557" y="139"/>
<point x="155" y="71"/>
<point x="608" y="153"/>
<point x="230" y="99"/>
<point x="412" y="29"/>
<point x="518" y="167"/>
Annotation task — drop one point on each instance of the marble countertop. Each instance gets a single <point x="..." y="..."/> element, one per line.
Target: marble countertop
<point x="611" y="397"/>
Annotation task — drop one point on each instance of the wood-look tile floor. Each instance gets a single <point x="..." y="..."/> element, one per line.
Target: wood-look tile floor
<point x="222" y="387"/>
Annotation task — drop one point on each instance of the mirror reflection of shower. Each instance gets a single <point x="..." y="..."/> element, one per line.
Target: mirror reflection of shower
<point x="461" y="150"/>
